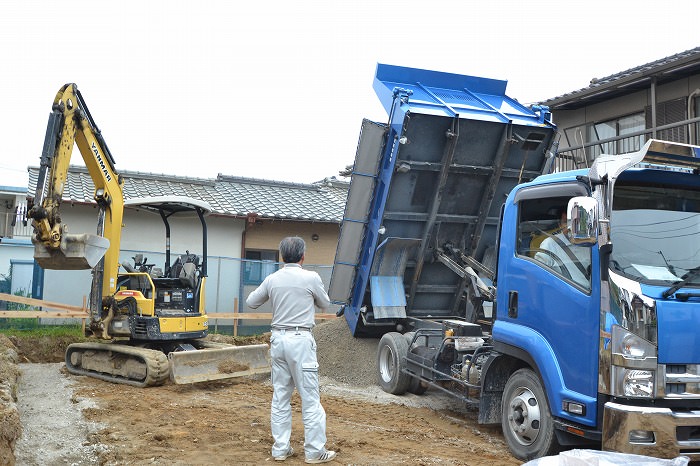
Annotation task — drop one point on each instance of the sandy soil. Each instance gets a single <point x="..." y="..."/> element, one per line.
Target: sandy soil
<point x="227" y="422"/>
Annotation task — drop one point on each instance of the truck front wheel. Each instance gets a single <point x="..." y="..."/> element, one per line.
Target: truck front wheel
<point x="526" y="419"/>
<point x="391" y="360"/>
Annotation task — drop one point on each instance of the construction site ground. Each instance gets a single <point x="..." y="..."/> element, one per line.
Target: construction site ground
<point x="228" y="422"/>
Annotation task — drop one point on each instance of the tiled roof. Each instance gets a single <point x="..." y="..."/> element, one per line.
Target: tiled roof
<point x="323" y="201"/>
<point x="665" y="69"/>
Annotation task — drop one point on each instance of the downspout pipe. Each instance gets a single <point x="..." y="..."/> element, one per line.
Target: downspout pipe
<point x="692" y="136"/>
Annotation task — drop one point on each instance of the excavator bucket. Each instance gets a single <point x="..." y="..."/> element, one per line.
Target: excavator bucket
<point x="77" y="252"/>
<point x="215" y="361"/>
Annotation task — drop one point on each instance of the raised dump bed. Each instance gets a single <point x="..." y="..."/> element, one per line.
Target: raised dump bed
<point x="426" y="192"/>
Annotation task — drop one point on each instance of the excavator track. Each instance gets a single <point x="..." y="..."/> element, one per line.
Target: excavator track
<point x="118" y="363"/>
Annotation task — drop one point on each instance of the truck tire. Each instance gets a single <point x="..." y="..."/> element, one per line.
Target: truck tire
<point x="415" y="385"/>
<point x="391" y="360"/>
<point x="526" y="420"/>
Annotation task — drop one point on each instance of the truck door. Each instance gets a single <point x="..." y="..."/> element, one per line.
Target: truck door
<point x="548" y="298"/>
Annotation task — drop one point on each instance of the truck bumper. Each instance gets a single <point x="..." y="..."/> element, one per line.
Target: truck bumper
<point x="651" y="431"/>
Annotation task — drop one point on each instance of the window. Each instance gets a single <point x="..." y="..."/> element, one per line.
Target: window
<point x="542" y="238"/>
<point x="577" y="136"/>
<point x="259" y="264"/>
<point x="615" y="128"/>
<point x="628" y="125"/>
<point x="671" y="111"/>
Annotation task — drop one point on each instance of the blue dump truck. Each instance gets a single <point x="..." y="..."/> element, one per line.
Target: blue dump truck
<point x="565" y="306"/>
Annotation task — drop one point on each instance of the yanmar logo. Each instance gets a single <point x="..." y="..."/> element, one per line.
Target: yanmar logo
<point x="98" y="156"/>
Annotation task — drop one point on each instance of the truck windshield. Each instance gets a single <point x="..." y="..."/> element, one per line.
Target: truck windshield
<point x="655" y="231"/>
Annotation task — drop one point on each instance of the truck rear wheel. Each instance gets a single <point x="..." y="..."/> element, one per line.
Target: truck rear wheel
<point x="415" y="385"/>
<point x="391" y="360"/>
<point x="526" y="420"/>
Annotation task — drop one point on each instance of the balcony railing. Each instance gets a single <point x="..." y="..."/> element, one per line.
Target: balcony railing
<point x="582" y="156"/>
<point x="14" y="224"/>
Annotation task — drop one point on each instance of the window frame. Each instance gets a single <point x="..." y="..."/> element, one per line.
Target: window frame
<point x="591" y="134"/>
<point x="256" y="269"/>
<point x="557" y="195"/>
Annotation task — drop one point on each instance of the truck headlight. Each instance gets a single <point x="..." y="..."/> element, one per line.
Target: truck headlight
<point x="633" y="383"/>
<point x="631" y="350"/>
<point x="634" y="364"/>
<point x="638" y="383"/>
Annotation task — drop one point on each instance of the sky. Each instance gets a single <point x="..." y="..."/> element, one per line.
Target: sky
<point x="277" y="89"/>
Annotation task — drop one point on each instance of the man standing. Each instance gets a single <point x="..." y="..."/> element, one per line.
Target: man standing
<point x="293" y="293"/>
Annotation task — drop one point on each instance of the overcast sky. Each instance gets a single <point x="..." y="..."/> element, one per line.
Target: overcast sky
<point x="278" y="89"/>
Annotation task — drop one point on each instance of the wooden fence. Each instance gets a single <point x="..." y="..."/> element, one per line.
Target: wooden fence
<point x="66" y="311"/>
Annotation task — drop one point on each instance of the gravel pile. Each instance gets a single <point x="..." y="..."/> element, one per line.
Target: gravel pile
<point x="343" y="357"/>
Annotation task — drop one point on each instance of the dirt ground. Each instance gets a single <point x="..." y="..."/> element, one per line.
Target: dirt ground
<point x="228" y="422"/>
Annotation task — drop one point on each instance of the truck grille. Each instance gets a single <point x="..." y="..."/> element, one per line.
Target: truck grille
<point x="682" y="380"/>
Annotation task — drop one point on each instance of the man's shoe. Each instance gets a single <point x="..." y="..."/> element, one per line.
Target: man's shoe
<point x="289" y="453"/>
<point x="325" y="457"/>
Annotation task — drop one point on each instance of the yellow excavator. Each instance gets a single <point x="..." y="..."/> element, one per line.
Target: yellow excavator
<point x="149" y="324"/>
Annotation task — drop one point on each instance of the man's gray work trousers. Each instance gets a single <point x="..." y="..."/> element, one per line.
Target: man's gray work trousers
<point x="294" y="363"/>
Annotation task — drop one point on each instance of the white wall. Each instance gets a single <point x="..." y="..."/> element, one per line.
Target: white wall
<point x="14" y="249"/>
<point x="144" y="233"/>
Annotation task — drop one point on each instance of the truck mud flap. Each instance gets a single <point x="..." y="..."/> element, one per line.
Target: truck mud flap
<point x="218" y="361"/>
<point x="77" y="252"/>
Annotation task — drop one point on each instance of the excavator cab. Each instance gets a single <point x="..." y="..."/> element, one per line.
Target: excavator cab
<point x="177" y="289"/>
<point x="165" y="307"/>
<point x="157" y="320"/>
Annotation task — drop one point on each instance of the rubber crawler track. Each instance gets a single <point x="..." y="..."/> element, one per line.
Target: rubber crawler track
<point x="156" y="362"/>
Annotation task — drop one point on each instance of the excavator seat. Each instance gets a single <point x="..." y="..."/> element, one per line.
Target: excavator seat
<point x="185" y="269"/>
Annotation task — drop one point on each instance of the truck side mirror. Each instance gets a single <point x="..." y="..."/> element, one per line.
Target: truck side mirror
<point x="582" y="220"/>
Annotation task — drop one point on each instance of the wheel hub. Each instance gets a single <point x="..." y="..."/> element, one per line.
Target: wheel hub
<point x="524" y="416"/>
<point x="386" y="364"/>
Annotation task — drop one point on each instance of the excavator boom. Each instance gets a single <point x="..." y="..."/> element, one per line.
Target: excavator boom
<point x="70" y="123"/>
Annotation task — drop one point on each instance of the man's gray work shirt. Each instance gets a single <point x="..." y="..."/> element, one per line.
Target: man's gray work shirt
<point x="293" y="292"/>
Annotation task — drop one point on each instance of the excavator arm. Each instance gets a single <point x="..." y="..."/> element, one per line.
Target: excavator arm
<point x="70" y="123"/>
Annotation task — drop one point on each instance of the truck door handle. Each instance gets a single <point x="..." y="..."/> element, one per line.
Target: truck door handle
<point x="513" y="304"/>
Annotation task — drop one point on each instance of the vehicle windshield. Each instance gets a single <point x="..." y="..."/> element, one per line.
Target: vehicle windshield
<point x="655" y="231"/>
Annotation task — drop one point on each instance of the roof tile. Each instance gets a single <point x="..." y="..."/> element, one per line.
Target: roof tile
<point x="323" y="201"/>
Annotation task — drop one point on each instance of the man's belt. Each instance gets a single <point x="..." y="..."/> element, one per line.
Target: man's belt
<point x="303" y="329"/>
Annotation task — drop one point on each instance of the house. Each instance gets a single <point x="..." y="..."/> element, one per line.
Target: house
<point x="616" y="114"/>
<point x="249" y="218"/>
<point x="16" y="256"/>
